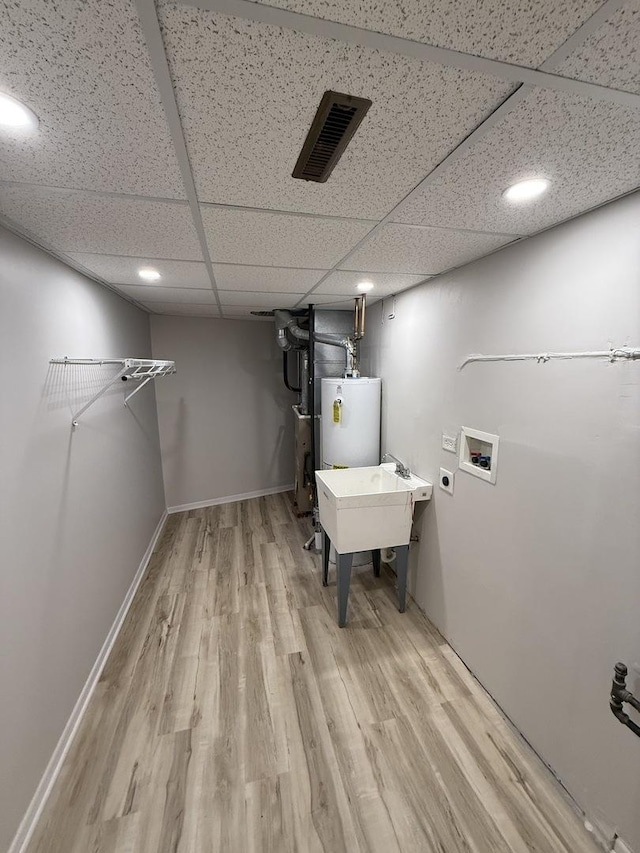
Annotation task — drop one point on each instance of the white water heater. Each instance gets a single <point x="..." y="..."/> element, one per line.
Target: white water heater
<point x="350" y="425"/>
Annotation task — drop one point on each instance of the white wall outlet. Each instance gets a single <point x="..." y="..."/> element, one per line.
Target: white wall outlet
<point x="446" y="481"/>
<point x="450" y="443"/>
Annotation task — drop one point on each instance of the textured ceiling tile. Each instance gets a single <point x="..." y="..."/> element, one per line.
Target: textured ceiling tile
<point x="82" y="66"/>
<point x="611" y="55"/>
<point x="422" y="250"/>
<point x="82" y="222"/>
<point x="589" y="149"/>
<point x="279" y="279"/>
<point x="248" y="92"/>
<point x="259" y="300"/>
<point x="519" y="31"/>
<point x="148" y="293"/>
<point x="181" y="310"/>
<point x="342" y="282"/>
<point x="278" y="239"/>
<point x="119" y="270"/>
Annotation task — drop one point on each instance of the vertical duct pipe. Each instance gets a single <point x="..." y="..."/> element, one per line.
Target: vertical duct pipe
<point x="304" y="381"/>
<point x="312" y="390"/>
<point x="360" y="308"/>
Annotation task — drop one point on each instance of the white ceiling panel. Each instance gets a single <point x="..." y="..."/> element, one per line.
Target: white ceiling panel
<point x="518" y="31"/>
<point x="342" y="282"/>
<point x="149" y="293"/>
<point x="278" y="239"/>
<point x="259" y="301"/>
<point x="589" y="149"/>
<point x="279" y="279"/>
<point x="179" y="309"/>
<point x="248" y="92"/>
<point x="422" y="251"/>
<point x="611" y="55"/>
<point x="119" y="270"/>
<point x="83" y="67"/>
<point x="81" y="222"/>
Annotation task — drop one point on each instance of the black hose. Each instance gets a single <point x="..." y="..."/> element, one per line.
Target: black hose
<point x="285" y="373"/>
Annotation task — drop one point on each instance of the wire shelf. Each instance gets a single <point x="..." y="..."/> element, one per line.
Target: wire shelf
<point x="141" y="370"/>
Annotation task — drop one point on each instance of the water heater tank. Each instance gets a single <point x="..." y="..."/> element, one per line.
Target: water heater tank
<point x="350" y="426"/>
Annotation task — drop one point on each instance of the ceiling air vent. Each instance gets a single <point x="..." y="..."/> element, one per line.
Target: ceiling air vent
<point x="337" y="119"/>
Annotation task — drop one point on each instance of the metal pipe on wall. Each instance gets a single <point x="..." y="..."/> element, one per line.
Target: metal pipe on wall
<point x="285" y="371"/>
<point x="304" y="381"/>
<point x="620" y="695"/>
<point x="287" y="324"/>
<point x="359" y="313"/>
<point x="363" y="308"/>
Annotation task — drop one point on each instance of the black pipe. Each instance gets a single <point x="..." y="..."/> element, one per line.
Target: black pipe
<point x="285" y="373"/>
<point x="312" y="393"/>
<point x="620" y="695"/>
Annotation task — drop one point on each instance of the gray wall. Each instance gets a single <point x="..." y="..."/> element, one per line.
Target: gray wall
<point x="77" y="511"/>
<point x="535" y="581"/>
<point x="226" y="425"/>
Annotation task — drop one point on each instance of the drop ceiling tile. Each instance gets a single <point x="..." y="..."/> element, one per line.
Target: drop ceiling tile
<point x="83" y="67"/>
<point x="259" y="300"/>
<point x="279" y="239"/>
<point x="181" y="310"/>
<point x="422" y="251"/>
<point x="148" y="293"/>
<point x="280" y="279"/>
<point x="122" y="270"/>
<point x="342" y="282"/>
<point x="611" y="55"/>
<point x="518" y="31"/>
<point x="247" y="94"/>
<point x="589" y="149"/>
<point x="73" y="221"/>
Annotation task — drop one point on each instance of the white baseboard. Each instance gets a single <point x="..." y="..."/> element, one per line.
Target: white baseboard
<point x="37" y="804"/>
<point x="229" y="499"/>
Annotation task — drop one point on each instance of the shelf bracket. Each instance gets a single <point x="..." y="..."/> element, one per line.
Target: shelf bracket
<point x="103" y="390"/>
<point x="142" y="370"/>
<point x="135" y="391"/>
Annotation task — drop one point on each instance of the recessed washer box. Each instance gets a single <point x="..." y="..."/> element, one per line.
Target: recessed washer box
<point x="479" y="453"/>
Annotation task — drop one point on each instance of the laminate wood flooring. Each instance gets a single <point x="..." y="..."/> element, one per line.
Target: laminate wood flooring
<point x="234" y="715"/>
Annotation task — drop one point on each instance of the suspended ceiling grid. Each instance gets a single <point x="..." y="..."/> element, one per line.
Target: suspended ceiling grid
<point x="168" y="133"/>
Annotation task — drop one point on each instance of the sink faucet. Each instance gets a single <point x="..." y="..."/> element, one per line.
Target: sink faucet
<point x="401" y="468"/>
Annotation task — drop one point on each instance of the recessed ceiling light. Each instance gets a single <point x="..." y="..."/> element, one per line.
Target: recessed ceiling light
<point x="15" y="115"/>
<point x="527" y="190"/>
<point x="149" y="274"/>
<point x="365" y="286"/>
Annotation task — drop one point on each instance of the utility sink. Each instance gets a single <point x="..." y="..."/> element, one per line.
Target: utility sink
<point x="366" y="508"/>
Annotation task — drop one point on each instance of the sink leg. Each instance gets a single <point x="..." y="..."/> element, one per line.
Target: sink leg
<point x="326" y="545"/>
<point x="402" y="564"/>
<point x="343" y="565"/>
<point x="375" y="556"/>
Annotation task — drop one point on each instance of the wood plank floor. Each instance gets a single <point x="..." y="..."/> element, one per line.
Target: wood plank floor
<point x="234" y="715"/>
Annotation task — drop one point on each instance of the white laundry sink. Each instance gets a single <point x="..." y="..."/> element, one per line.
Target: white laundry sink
<point x="365" y="508"/>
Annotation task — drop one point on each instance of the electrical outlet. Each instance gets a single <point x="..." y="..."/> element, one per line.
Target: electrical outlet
<point x="446" y="481"/>
<point x="450" y="443"/>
